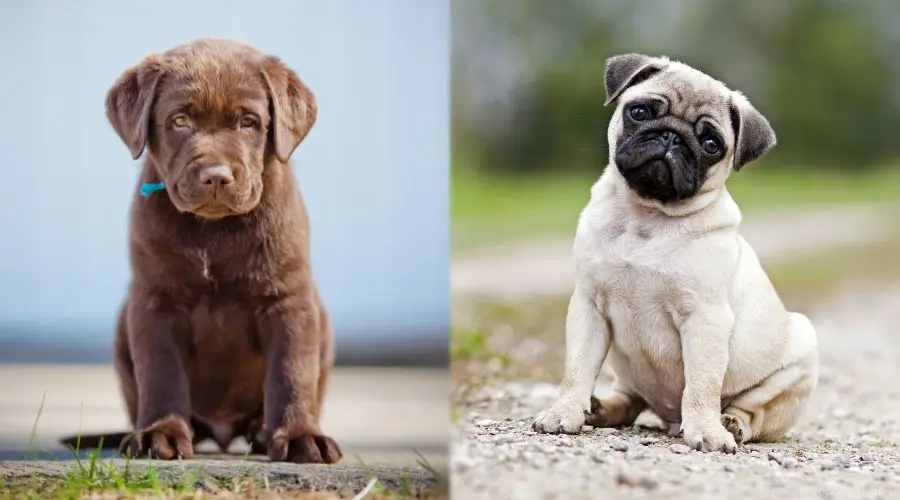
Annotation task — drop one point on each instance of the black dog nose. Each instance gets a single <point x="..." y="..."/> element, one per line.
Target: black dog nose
<point x="216" y="175"/>
<point x="670" y="138"/>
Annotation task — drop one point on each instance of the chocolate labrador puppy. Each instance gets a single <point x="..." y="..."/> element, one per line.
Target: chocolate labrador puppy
<point x="223" y="334"/>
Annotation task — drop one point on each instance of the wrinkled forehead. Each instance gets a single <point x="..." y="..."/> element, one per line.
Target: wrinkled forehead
<point x="690" y="94"/>
<point x="211" y="79"/>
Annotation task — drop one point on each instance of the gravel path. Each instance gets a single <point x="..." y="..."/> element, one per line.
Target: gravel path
<point x="847" y="446"/>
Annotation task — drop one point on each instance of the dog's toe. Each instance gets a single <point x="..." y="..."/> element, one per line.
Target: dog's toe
<point x="167" y="439"/>
<point x="733" y="425"/>
<point x="711" y="439"/>
<point x="561" y="419"/>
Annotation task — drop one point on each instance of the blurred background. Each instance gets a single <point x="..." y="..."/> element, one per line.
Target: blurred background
<point x="373" y="171"/>
<point x="529" y="139"/>
<point x="528" y="97"/>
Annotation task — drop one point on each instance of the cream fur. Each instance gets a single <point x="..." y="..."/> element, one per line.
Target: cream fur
<point x="677" y="302"/>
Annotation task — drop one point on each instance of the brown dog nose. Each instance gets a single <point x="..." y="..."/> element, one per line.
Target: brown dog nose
<point x="216" y="175"/>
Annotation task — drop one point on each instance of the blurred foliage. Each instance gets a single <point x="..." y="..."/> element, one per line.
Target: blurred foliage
<point x="528" y="75"/>
<point x="489" y="207"/>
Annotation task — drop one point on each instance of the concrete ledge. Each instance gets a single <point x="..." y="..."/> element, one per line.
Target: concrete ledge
<point x="214" y="473"/>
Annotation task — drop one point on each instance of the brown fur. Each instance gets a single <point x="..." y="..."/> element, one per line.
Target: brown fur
<point x="223" y="325"/>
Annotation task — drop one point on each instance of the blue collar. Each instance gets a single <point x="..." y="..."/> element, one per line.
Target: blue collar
<point x="149" y="188"/>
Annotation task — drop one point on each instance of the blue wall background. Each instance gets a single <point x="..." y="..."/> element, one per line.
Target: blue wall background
<point x="374" y="170"/>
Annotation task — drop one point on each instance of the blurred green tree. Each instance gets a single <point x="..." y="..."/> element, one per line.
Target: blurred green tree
<point x="816" y="68"/>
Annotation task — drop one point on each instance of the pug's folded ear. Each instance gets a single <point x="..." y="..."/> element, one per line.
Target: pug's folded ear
<point x="626" y="70"/>
<point x="753" y="134"/>
<point x="130" y="101"/>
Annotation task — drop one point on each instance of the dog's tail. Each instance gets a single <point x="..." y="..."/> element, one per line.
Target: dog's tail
<point x="107" y="441"/>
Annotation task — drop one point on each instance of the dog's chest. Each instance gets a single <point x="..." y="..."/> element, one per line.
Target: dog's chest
<point x="212" y="267"/>
<point x="224" y="361"/>
<point x="637" y="293"/>
<point x="637" y="283"/>
<point x="203" y="265"/>
<point x="249" y="269"/>
<point x="631" y="267"/>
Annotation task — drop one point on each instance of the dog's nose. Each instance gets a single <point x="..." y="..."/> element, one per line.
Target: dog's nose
<point x="670" y="138"/>
<point x="216" y="175"/>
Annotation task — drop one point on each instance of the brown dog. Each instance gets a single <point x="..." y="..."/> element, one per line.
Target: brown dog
<point x="223" y="334"/>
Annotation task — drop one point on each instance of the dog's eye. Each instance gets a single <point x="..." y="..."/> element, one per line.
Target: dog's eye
<point x="248" y="121"/>
<point x="639" y="113"/>
<point x="181" y="121"/>
<point x="710" y="146"/>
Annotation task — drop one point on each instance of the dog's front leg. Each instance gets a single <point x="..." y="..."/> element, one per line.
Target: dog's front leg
<point x="587" y="342"/>
<point x="288" y="331"/>
<point x="161" y="429"/>
<point x="705" y="335"/>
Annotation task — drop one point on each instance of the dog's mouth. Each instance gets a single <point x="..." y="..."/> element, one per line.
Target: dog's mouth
<point x="659" y="166"/>
<point x="213" y="211"/>
<point x="219" y="205"/>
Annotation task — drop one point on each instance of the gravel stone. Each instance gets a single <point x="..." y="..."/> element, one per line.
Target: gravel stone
<point x="827" y="464"/>
<point x="633" y="478"/>
<point x="620" y="446"/>
<point x="681" y="449"/>
<point x="503" y="439"/>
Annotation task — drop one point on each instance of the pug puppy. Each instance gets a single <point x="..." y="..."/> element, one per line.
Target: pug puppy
<point x="667" y="291"/>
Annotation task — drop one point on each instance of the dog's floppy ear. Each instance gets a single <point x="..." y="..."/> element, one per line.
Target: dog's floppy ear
<point x="293" y="108"/>
<point x="130" y="101"/>
<point x="626" y="70"/>
<point x="753" y="135"/>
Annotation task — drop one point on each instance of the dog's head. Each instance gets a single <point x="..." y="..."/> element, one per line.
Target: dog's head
<point x="677" y="132"/>
<point x="212" y="115"/>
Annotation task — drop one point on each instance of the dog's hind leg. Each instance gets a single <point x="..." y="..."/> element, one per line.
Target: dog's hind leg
<point x="767" y="411"/>
<point x="620" y="409"/>
<point x="326" y="362"/>
<point x="124" y="366"/>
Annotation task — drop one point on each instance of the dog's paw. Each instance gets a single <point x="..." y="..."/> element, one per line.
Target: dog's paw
<point x="303" y="449"/>
<point x="166" y="439"/>
<point x="256" y="436"/>
<point x="598" y="416"/>
<point x="733" y="425"/>
<point x="709" y="438"/>
<point x="562" y="418"/>
<point x="673" y="429"/>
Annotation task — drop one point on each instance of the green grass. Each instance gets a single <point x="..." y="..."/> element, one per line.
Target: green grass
<point x="472" y="344"/>
<point x="495" y="209"/>
<point x="92" y="475"/>
<point x="377" y="491"/>
<point x="95" y="477"/>
<point x="808" y="279"/>
<point x="501" y="208"/>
